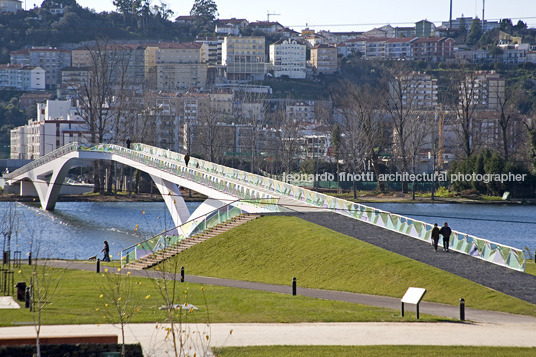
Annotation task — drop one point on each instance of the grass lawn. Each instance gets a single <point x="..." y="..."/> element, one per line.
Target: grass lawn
<point x="530" y="267"/>
<point x="372" y="351"/>
<point x="274" y="249"/>
<point x="78" y="301"/>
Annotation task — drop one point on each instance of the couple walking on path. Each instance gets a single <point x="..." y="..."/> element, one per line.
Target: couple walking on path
<point x="445" y="231"/>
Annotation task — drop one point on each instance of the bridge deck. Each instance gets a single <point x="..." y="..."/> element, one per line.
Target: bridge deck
<point x="507" y="281"/>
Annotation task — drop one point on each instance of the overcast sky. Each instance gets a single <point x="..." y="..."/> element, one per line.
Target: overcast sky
<point x="346" y="15"/>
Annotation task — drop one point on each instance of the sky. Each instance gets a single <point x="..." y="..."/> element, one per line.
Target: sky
<point x="348" y="15"/>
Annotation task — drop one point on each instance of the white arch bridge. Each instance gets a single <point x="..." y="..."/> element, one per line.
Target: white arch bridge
<point x="222" y="185"/>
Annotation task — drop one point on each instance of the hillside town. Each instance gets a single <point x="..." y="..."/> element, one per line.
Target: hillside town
<point x="261" y="95"/>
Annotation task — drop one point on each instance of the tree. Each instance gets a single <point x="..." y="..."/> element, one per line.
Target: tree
<point x="461" y="32"/>
<point x="336" y="144"/>
<point x="9" y="226"/>
<point x="121" y="303"/>
<point x="475" y="32"/>
<point x="508" y="103"/>
<point x="400" y="106"/>
<point x="462" y="91"/>
<point x="362" y="124"/>
<point x="128" y="7"/>
<point x="506" y="25"/>
<point x="45" y="280"/>
<point x="102" y="96"/>
<point x="205" y="10"/>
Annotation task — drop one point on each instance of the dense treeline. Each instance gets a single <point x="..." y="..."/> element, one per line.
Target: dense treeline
<point x="38" y="27"/>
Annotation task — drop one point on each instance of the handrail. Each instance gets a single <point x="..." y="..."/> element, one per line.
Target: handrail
<point x="481" y="248"/>
<point x="191" y="227"/>
<point x="223" y="179"/>
<point x="177" y="228"/>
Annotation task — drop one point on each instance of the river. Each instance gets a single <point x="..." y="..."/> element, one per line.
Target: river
<point x="76" y="230"/>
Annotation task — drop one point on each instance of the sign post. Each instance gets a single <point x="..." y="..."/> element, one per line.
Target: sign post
<point x="413" y="296"/>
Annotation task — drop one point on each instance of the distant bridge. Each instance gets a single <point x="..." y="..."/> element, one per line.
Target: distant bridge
<point x="252" y="193"/>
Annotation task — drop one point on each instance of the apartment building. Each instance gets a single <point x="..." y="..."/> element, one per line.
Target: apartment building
<point x="244" y="58"/>
<point x="375" y="47"/>
<point x="432" y="49"/>
<point x="213" y="48"/>
<point x="484" y="89"/>
<point x="10" y="6"/>
<point x="176" y="66"/>
<point x="324" y="59"/>
<point x="129" y="58"/>
<point x="424" y="28"/>
<point x="416" y="90"/>
<point x="398" y="48"/>
<point x="287" y="58"/>
<point x="57" y="123"/>
<point x="302" y="111"/>
<point x="51" y="59"/>
<point x="22" y="77"/>
<point x="265" y="26"/>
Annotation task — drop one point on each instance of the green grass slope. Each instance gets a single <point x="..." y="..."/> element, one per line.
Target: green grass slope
<point x="275" y="249"/>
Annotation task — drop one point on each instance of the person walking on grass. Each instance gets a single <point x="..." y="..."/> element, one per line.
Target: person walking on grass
<point x="435" y="236"/>
<point x="445" y="231"/>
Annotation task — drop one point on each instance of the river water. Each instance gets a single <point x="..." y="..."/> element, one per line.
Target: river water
<point x="76" y="230"/>
<point x="512" y="225"/>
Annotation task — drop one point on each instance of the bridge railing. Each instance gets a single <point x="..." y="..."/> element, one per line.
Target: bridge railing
<point x="167" y="163"/>
<point x="484" y="249"/>
<point x="73" y="146"/>
<point x="192" y="227"/>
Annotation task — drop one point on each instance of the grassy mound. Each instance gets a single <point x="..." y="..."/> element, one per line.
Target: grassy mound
<point x="275" y="249"/>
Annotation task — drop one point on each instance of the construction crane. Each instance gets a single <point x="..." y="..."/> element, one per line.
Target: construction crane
<point x="268" y="14"/>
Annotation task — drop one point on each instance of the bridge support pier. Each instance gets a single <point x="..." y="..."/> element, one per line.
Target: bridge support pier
<point x="173" y="199"/>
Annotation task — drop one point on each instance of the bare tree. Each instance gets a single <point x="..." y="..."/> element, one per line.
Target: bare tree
<point x="421" y="129"/>
<point x="508" y="108"/>
<point x="102" y="96"/>
<point x="363" y="125"/>
<point x="117" y="290"/>
<point x="400" y="105"/>
<point x="250" y="112"/>
<point x="45" y="281"/>
<point x="288" y="133"/>
<point x="9" y="226"/>
<point x="460" y="99"/>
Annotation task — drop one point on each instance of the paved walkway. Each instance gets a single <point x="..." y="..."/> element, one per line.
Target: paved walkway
<point x="508" y="281"/>
<point x="431" y="308"/>
<point x="153" y="340"/>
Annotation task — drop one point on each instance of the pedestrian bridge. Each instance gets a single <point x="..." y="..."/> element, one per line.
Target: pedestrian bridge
<point x="223" y="185"/>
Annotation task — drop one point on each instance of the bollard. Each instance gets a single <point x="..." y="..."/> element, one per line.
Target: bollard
<point x="98" y="265"/>
<point x="462" y="309"/>
<point x="182" y="275"/>
<point x="27" y="296"/>
<point x="30" y="258"/>
<point x="294" y="286"/>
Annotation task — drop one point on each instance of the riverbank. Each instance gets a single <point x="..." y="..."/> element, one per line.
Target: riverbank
<point x="92" y="197"/>
<point x="372" y="197"/>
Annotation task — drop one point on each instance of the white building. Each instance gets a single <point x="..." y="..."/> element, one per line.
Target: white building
<point x="287" y="58"/>
<point x="58" y="123"/>
<point x="302" y="111"/>
<point x="21" y="77"/>
<point x="10" y="6"/>
<point x="52" y="60"/>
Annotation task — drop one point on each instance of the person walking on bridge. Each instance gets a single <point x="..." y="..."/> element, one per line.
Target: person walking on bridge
<point x="435" y="236"/>
<point x="445" y="231"/>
